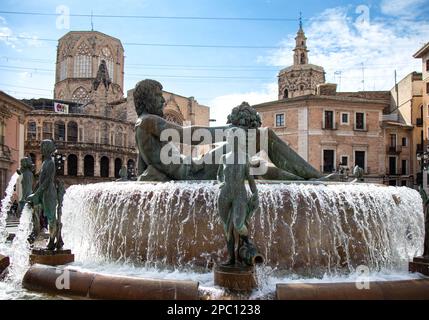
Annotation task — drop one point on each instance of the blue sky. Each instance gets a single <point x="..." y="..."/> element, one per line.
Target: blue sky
<point x="381" y="35"/>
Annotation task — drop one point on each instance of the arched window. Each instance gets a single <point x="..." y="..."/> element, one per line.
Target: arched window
<point x="60" y="131"/>
<point x="63" y="69"/>
<point x="72" y="131"/>
<point x="104" y="167"/>
<point x="173" y="116"/>
<point x="47" y="130"/>
<point x="80" y="95"/>
<point x="105" y="134"/>
<point x="131" y="168"/>
<point x="119" y="137"/>
<point x="301" y="87"/>
<point x="31" y="131"/>
<point x="118" y="165"/>
<point x="72" y="165"/>
<point x="286" y="94"/>
<point x="303" y="58"/>
<point x="83" y="62"/>
<point x="88" y="166"/>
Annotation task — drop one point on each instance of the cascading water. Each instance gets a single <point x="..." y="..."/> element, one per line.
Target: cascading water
<point x="6" y="204"/>
<point x="307" y="229"/>
<point x="20" y="249"/>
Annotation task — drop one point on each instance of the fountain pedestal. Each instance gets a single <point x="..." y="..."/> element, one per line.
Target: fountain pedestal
<point x="237" y="278"/>
<point x="51" y="258"/>
<point x="420" y="265"/>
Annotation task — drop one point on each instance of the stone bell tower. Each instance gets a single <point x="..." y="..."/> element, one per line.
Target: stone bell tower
<point x="302" y="77"/>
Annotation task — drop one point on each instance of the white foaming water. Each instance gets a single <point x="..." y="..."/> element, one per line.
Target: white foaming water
<point x="305" y="229"/>
<point x="19" y="252"/>
<point x="6" y="203"/>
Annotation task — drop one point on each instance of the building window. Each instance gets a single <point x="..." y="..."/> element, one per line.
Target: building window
<point x="286" y="94"/>
<point x="344" y="118"/>
<point x="31" y="131"/>
<point x="427" y="65"/>
<point x="72" y="131"/>
<point x="80" y="95"/>
<point x="427" y="87"/>
<point x="393" y="140"/>
<point x="303" y="58"/>
<point x="104" y="167"/>
<point x="47" y="130"/>
<point x="328" y="161"/>
<point x="72" y="165"/>
<point x="63" y="69"/>
<point x="404" y="167"/>
<point x="404" y="141"/>
<point x="328" y="120"/>
<point x="83" y="66"/>
<point x="60" y="131"/>
<point x="118" y="166"/>
<point x="280" y="120"/>
<point x="392" y="165"/>
<point x="88" y="166"/>
<point x="360" y="159"/>
<point x="344" y="161"/>
<point x="360" y="121"/>
<point x="404" y="183"/>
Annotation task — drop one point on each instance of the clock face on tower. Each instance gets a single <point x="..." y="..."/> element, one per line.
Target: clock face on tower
<point x="106" y="52"/>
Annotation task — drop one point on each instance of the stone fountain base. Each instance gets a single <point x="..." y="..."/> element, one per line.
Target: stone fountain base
<point x="420" y="265"/>
<point x="236" y="278"/>
<point x="305" y="228"/>
<point x="51" y="258"/>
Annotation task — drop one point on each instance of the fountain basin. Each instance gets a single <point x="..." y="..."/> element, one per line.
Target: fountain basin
<point x="307" y="229"/>
<point x="100" y="286"/>
<point x="415" y="289"/>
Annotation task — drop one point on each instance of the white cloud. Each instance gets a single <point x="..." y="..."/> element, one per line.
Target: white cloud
<point x="8" y="37"/>
<point x="221" y="106"/>
<point x="338" y="42"/>
<point x="408" y="8"/>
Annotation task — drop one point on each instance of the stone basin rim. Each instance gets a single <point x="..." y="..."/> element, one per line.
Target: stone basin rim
<point x="262" y="182"/>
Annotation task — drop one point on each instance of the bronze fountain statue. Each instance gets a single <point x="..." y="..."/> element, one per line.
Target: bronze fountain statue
<point x="150" y="125"/>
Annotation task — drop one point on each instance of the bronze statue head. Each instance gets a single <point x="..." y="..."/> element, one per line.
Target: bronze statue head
<point x="245" y="116"/>
<point x="26" y="163"/>
<point x="47" y="147"/>
<point x="148" y="97"/>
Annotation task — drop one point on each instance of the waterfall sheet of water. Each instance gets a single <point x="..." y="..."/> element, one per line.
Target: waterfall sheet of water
<point x="303" y="228"/>
<point x="19" y="251"/>
<point x="6" y="204"/>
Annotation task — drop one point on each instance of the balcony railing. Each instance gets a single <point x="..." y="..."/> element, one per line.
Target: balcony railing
<point x="329" y="126"/>
<point x="394" y="149"/>
<point x="419" y="122"/>
<point x="83" y="145"/>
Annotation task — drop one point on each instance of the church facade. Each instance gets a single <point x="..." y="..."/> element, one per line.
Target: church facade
<point x="335" y="131"/>
<point x="94" y="130"/>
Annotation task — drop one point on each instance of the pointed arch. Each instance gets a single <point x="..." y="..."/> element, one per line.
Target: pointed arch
<point x="80" y="95"/>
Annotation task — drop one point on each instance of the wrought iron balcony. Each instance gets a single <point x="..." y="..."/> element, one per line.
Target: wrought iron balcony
<point x="394" y="149"/>
<point x="66" y="145"/>
<point x="329" y="126"/>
